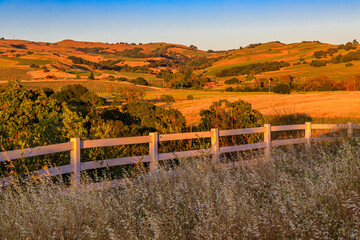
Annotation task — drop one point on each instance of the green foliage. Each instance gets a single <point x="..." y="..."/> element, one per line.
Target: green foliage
<point x="232" y="115"/>
<point x="129" y="94"/>
<point x="48" y="91"/>
<point x="189" y="97"/>
<point x="281" y="88"/>
<point x="34" y="65"/>
<point x="229" y="89"/>
<point x="91" y="76"/>
<point x="320" y="83"/>
<point x="185" y="79"/>
<point x="79" y="98"/>
<point x="349" y="65"/>
<point x="350" y="56"/>
<point x="156" y="118"/>
<point x="133" y="53"/>
<point x="254" y="68"/>
<point x="232" y="81"/>
<point x="140" y="81"/>
<point x="167" y="98"/>
<point x="45" y="69"/>
<point x="193" y="47"/>
<point x="122" y="79"/>
<point x="318" y="63"/>
<point x="29" y="119"/>
<point x="348" y="46"/>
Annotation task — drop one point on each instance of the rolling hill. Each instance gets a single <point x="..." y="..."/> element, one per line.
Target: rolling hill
<point x="69" y="59"/>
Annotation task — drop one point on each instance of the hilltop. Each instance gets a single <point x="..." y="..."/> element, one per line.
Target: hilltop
<point x="69" y="59"/>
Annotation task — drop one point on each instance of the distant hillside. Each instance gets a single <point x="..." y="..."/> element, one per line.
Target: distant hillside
<point x="154" y="61"/>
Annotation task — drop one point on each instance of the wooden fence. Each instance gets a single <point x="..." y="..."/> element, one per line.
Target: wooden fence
<point x="75" y="145"/>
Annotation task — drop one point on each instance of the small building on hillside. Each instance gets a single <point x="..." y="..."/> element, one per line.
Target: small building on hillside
<point x="210" y="84"/>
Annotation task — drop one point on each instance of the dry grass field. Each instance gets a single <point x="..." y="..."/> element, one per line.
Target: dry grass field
<point x="316" y="104"/>
<point x="290" y="198"/>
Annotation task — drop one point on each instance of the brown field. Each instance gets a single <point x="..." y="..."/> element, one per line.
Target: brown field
<point x="317" y="105"/>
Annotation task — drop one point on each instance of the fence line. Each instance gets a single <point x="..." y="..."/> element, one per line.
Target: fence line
<point x="76" y="144"/>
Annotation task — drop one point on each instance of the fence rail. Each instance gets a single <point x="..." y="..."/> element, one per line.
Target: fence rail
<point x="75" y="145"/>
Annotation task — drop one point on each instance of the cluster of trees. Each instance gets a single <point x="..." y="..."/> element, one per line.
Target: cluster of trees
<point x="133" y="53"/>
<point x="232" y="81"/>
<point x="140" y="81"/>
<point x="94" y="50"/>
<point x="349" y="45"/>
<point x="34" y="66"/>
<point x="18" y="46"/>
<point x="111" y="65"/>
<point x="30" y="118"/>
<point x="350" y="56"/>
<point x="318" y="63"/>
<point x="185" y="78"/>
<point x="324" y="54"/>
<point x="254" y="68"/>
<point x="254" y="45"/>
<point x="286" y="83"/>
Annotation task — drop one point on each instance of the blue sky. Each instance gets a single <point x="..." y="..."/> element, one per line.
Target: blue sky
<point x="206" y="24"/>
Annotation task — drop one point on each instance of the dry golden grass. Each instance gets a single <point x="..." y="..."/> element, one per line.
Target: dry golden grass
<point x="319" y="104"/>
<point x="288" y="198"/>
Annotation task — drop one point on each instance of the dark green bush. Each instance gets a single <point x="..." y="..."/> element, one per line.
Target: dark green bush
<point x="167" y="98"/>
<point x="140" y="81"/>
<point x="189" y="97"/>
<point x="282" y="89"/>
<point x="122" y="79"/>
<point x="229" y="89"/>
<point x="232" y="81"/>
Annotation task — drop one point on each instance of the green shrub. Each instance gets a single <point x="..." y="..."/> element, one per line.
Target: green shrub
<point x="140" y="81"/>
<point x="232" y="81"/>
<point x="122" y="79"/>
<point x="48" y="91"/>
<point x="189" y="97"/>
<point x="78" y="97"/>
<point x="167" y="98"/>
<point x="229" y="89"/>
<point x="318" y="63"/>
<point x="282" y="89"/>
<point x="91" y="76"/>
<point x="349" y="65"/>
<point x="232" y="115"/>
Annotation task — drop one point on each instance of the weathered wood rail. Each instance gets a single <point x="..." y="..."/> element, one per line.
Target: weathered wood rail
<point x="75" y="145"/>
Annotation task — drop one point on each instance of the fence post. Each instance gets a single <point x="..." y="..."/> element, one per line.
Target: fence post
<point x="308" y="137"/>
<point x="267" y="140"/>
<point x="215" y="146"/>
<point x="350" y="129"/>
<point x="75" y="161"/>
<point x="153" y="150"/>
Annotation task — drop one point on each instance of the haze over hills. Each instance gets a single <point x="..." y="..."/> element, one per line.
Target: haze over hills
<point x="28" y="60"/>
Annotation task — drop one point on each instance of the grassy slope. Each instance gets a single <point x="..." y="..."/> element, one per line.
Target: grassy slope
<point x="44" y="54"/>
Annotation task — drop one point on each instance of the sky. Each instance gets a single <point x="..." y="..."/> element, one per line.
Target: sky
<point x="216" y="25"/>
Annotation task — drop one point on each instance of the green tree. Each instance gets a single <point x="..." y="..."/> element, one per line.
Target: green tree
<point x="29" y="119"/>
<point x="167" y="98"/>
<point x="232" y="115"/>
<point x="91" y="77"/>
<point x="281" y="88"/>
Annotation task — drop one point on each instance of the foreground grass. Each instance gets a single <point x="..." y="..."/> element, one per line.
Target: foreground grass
<point x="291" y="197"/>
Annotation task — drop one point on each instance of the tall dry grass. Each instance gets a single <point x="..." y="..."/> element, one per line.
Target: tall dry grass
<point x="290" y="197"/>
